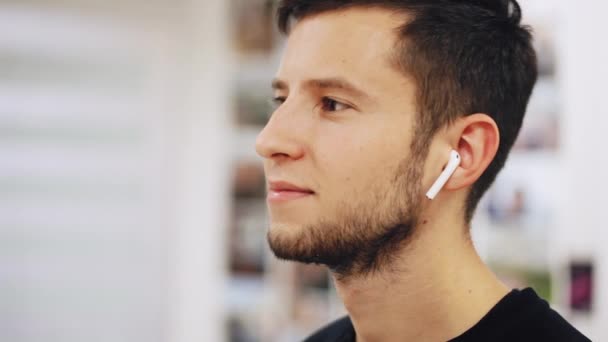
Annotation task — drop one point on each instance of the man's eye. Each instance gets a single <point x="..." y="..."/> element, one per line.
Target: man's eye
<point x="331" y="105"/>
<point x="276" y="102"/>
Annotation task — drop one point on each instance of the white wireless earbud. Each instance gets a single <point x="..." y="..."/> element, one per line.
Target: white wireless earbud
<point x="445" y="175"/>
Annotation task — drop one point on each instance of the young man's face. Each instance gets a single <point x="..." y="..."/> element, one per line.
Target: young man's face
<point x="343" y="183"/>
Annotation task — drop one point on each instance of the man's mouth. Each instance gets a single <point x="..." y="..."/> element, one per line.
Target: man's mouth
<point x="281" y="191"/>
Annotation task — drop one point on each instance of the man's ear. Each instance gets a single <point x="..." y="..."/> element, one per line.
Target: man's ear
<point x="476" y="138"/>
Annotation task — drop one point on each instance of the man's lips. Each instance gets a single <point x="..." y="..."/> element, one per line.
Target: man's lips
<point x="280" y="191"/>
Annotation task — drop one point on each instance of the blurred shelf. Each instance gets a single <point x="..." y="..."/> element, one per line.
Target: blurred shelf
<point x="246" y="293"/>
<point x="257" y="69"/>
<point x="244" y="143"/>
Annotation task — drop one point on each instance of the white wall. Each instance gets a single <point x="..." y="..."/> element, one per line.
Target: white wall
<point x="583" y="73"/>
<point x="130" y="244"/>
<point x="203" y="142"/>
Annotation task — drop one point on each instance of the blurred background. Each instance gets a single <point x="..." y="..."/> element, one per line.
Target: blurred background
<point x="132" y="201"/>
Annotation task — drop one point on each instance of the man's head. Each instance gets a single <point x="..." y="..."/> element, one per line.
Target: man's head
<point x="372" y="96"/>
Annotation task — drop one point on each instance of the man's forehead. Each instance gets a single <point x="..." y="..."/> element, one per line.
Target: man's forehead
<point x="349" y="43"/>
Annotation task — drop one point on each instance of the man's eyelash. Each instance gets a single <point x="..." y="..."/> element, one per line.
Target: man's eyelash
<point x="328" y="101"/>
<point x="276" y="101"/>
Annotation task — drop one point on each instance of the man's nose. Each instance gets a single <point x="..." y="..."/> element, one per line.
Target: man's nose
<point x="279" y="138"/>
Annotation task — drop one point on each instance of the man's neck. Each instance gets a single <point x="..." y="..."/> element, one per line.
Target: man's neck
<point x="437" y="289"/>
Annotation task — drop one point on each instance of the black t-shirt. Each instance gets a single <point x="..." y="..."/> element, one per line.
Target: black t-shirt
<point x="520" y="316"/>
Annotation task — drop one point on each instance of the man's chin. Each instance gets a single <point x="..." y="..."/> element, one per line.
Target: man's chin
<point x="292" y="242"/>
<point x="284" y="231"/>
<point x="346" y="249"/>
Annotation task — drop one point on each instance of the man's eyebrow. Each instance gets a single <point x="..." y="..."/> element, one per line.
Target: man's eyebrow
<point x="337" y="83"/>
<point x="324" y="83"/>
<point x="278" y="84"/>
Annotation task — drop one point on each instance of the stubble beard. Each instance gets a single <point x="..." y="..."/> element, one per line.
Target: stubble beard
<point x="364" y="236"/>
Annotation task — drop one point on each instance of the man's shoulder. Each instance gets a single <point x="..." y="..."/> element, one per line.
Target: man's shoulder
<point x="340" y="330"/>
<point x="522" y="316"/>
<point x="540" y="321"/>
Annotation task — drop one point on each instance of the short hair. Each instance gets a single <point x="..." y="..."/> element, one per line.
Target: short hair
<point x="465" y="57"/>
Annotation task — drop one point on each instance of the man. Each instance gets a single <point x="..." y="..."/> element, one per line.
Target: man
<point x="372" y="98"/>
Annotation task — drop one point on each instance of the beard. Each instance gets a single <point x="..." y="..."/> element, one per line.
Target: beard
<point x="365" y="234"/>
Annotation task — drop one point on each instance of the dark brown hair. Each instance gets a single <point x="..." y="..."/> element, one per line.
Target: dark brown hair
<point x="465" y="56"/>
